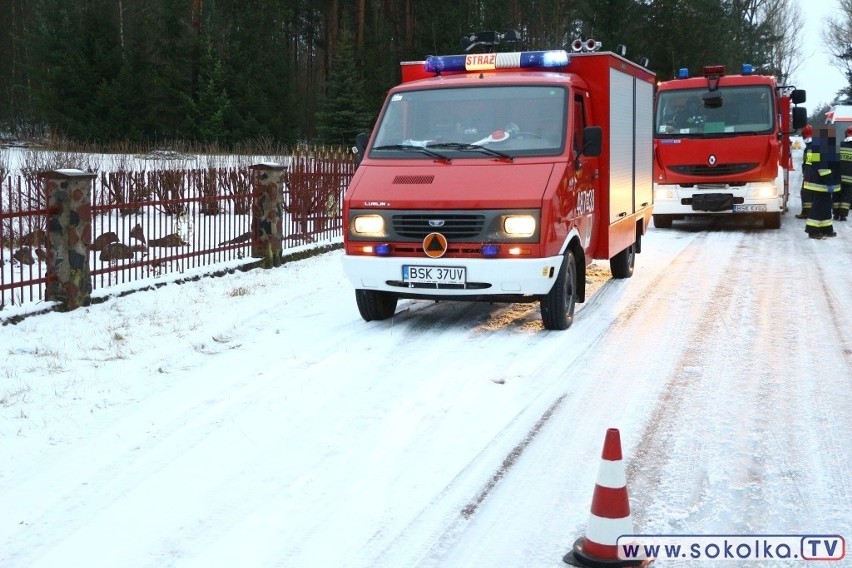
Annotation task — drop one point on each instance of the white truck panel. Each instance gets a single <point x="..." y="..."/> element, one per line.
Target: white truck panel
<point x="631" y="162"/>
<point x="622" y="146"/>
<point x="644" y="151"/>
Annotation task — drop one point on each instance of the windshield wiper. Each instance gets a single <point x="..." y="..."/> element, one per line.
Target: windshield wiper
<point x="475" y="147"/>
<point x="413" y="148"/>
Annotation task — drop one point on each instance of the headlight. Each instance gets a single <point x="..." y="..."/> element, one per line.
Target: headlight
<point x="764" y="191"/>
<point x="369" y="225"/>
<point x="664" y="194"/>
<point x="519" y="225"/>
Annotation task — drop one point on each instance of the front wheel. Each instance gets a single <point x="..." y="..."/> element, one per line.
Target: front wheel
<point x="557" y="308"/>
<point x="375" y="305"/>
<point x="622" y="264"/>
<point x="772" y="221"/>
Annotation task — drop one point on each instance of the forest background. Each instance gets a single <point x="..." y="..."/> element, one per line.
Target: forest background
<point x="228" y="72"/>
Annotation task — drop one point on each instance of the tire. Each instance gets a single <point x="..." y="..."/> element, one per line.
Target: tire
<point x="622" y="264"/>
<point x="772" y="221"/>
<point x="663" y="221"/>
<point x="375" y="305"/>
<point x="557" y="308"/>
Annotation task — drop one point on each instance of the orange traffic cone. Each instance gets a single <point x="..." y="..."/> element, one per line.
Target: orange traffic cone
<point x="610" y="516"/>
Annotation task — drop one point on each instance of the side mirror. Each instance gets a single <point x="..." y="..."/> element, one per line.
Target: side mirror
<point x="800" y="117"/>
<point x="361" y="141"/>
<point x="592" y="141"/>
<point x="798" y="96"/>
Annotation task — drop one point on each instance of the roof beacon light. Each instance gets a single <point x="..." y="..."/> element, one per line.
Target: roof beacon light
<point x="553" y="58"/>
<point x="683" y="73"/>
<point x="444" y="63"/>
<point x="747" y="69"/>
<point x="491" y="61"/>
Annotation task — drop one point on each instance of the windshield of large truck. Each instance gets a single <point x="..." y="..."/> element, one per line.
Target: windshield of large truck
<point x="743" y="110"/>
<point x="472" y="122"/>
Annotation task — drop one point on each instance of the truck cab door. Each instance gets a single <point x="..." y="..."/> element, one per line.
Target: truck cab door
<point x="585" y="169"/>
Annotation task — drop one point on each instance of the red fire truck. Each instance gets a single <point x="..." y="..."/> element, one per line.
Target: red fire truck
<point x="722" y="146"/>
<point x="500" y="177"/>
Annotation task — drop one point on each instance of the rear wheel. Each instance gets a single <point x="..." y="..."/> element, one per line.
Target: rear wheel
<point x="622" y="264"/>
<point x="375" y="305"/>
<point x="557" y="308"/>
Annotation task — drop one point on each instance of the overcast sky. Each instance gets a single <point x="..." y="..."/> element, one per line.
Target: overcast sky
<point x="817" y="75"/>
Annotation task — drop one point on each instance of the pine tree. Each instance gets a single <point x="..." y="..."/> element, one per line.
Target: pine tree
<point x="209" y="114"/>
<point x="344" y="110"/>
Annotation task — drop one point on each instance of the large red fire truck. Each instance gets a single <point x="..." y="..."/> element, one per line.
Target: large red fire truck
<point x="500" y="177"/>
<point x="722" y="145"/>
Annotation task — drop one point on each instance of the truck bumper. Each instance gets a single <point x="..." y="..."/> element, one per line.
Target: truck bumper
<point x="484" y="277"/>
<point x="748" y="199"/>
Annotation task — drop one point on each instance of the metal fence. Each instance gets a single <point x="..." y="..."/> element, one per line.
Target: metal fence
<point x="145" y="224"/>
<point x="23" y="211"/>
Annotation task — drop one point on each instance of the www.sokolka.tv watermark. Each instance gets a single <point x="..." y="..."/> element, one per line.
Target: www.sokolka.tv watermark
<point x="732" y="547"/>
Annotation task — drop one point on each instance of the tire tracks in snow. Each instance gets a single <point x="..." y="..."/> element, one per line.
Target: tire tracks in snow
<point x="596" y="315"/>
<point x="741" y="431"/>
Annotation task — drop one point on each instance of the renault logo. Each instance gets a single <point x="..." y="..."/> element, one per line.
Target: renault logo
<point x="712" y="160"/>
<point x="435" y="245"/>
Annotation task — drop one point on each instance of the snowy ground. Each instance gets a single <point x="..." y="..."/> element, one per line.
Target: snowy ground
<point x="255" y="420"/>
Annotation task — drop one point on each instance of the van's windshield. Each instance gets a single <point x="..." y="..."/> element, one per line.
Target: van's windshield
<point x="743" y="110"/>
<point x="473" y="122"/>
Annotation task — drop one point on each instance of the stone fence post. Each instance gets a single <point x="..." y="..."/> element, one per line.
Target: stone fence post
<point x="267" y="208"/>
<point x="69" y="236"/>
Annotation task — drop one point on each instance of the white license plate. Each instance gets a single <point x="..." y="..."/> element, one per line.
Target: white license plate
<point x="434" y="274"/>
<point x="749" y="208"/>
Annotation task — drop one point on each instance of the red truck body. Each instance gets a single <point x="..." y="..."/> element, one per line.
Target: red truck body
<point x="501" y="177"/>
<point x="722" y="146"/>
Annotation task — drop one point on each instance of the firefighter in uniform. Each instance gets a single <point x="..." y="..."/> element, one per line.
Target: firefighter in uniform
<point x="822" y="178"/>
<point x="807" y="137"/>
<point x="843" y="198"/>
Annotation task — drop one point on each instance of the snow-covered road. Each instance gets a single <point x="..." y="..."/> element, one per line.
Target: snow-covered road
<point x="256" y="420"/>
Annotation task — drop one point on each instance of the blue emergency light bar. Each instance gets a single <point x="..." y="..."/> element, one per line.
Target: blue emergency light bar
<point x="491" y="61"/>
<point x="710" y="70"/>
<point x="436" y="64"/>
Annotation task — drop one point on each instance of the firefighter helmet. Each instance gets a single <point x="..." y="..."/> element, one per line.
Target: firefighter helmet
<point x="807" y="131"/>
<point x="848" y="131"/>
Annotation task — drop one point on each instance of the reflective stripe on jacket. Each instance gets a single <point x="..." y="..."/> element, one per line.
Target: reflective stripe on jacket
<point x="818" y="175"/>
<point x="846" y="161"/>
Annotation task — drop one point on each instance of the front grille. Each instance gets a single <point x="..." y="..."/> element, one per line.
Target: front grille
<point x="713" y="186"/>
<point x="452" y="226"/>
<point x="719" y="170"/>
